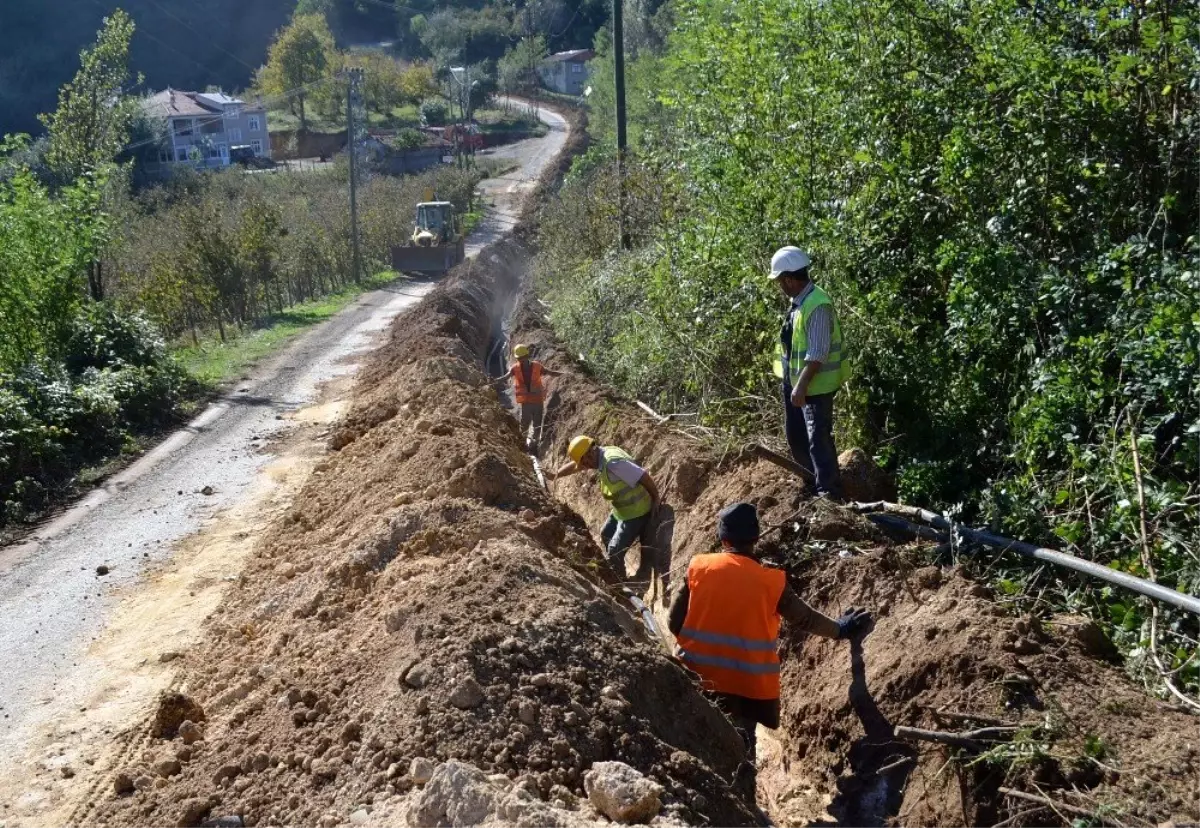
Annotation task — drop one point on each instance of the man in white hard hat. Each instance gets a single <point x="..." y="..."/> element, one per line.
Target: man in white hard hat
<point x="811" y="361"/>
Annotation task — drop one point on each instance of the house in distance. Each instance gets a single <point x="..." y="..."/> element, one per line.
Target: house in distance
<point x="207" y="129"/>
<point x="566" y="72"/>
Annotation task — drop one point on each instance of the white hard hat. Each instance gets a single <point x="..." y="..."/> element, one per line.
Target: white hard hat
<point x="788" y="259"/>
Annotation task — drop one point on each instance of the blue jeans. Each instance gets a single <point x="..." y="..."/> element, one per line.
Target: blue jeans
<point x="809" y="432"/>
<point x="619" y="535"/>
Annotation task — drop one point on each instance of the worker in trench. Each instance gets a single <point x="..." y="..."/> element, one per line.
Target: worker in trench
<point x="725" y="617"/>
<point x="529" y="390"/>
<point x="812" y="362"/>
<point x="630" y="491"/>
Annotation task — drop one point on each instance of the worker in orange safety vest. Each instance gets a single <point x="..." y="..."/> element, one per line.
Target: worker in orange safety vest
<point x="529" y="392"/>
<point x="725" y="617"/>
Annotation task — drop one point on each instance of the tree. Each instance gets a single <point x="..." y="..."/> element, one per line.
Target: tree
<point x="303" y="54"/>
<point x="383" y="80"/>
<point x="466" y="36"/>
<point x="418" y="82"/>
<point x="410" y="23"/>
<point x="92" y="121"/>
<point x="46" y="242"/>
<point x="517" y="70"/>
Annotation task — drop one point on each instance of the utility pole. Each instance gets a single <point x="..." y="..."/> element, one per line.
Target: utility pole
<point x="618" y="15"/>
<point x="353" y="95"/>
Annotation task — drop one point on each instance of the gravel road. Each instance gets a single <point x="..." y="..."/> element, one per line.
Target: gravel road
<point x="54" y="602"/>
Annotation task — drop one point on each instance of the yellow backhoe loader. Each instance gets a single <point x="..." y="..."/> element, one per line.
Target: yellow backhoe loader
<point x="436" y="244"/>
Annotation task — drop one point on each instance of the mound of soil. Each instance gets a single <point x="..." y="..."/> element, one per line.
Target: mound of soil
<point x="1087" y="738"/>
<point x="426" y="611"/>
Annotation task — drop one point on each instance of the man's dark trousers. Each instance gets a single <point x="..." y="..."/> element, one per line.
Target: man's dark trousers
<point x="809" y="432"/>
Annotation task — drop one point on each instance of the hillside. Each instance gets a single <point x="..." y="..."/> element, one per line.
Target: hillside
<point x="187" y="45"/>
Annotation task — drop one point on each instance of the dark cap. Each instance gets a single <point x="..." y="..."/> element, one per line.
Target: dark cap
<point x="738" y="523"/>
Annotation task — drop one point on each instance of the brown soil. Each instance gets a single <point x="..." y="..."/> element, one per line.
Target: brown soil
<point x="423" y="598"/>
<point x="1091" y="739"/>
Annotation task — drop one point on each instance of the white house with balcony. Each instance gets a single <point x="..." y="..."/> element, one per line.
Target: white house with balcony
<point x="203" y="128"/>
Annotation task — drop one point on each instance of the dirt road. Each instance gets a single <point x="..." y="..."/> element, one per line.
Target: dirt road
<point x="80" y="651"/>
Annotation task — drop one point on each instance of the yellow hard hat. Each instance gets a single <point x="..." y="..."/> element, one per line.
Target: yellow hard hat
<point x="521" y="351"/>
<point x="579" y="447"/>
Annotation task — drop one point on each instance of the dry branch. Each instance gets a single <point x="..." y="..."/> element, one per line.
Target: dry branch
<point x="1050" y="803"/>
<point x="958" y="716"/>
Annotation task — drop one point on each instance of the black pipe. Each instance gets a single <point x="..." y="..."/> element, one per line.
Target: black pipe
<point x="1131" y="582"/>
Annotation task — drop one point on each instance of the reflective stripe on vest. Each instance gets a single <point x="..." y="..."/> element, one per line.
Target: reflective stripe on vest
<point x="536" y="391"/>
<point x="731" y="633"/>
<point x="627" y="502"/>
<point x="834" y="370"/>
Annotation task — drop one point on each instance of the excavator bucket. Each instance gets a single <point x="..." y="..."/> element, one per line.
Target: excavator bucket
<point x="428" y="260"/>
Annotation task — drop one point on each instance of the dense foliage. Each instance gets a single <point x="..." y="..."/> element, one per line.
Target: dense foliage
<point x="467" y="32"/>
<point x="77" y="379"/>
<point x="228" y="249"/>
<point x="1002" y="198"/>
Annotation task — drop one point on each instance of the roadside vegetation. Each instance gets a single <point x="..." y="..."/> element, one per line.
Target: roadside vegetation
<point x="398" y="95"/>
<point x="123" y="307"/>
<point x="1002" y="201"/>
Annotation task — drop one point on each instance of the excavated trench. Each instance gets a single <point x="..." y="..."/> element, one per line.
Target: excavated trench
<point x="429" y="637"/>
<point x="945" y="654"/>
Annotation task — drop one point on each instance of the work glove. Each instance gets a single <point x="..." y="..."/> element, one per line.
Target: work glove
<point x="854" y="623"/>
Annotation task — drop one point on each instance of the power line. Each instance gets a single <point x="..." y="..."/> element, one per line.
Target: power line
<point x="570" y="22"/>
<point x="160" y="42"/>
<point x="209" y="40"/>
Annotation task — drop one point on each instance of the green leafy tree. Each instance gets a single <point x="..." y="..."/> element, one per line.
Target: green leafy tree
<point x="46" y="242"/>
<point x="92" y="122"/>
<point x="418" y="82"/>
<point x="517" y="71"/>
<point x="302" y="55"/>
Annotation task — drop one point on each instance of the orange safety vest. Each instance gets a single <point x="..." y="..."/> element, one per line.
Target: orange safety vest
<point x="731" y="633"/>
<point x="536" y="392"/>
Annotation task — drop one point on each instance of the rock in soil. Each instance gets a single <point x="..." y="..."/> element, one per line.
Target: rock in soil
<point x="173" y="710"/>
<point x="621" y="793"/>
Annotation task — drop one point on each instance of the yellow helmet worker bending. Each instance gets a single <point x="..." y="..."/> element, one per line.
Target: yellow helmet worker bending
<point x="632" y="496"/>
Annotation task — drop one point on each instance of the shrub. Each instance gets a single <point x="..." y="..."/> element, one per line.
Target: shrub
<point x="101" y="336"/>
<point x="434" y="112"/>
<point x="408" y="138"/>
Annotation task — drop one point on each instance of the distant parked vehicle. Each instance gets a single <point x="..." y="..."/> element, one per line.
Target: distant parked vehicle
<point x="241" y="154"/>
<point x="244" y="155"/>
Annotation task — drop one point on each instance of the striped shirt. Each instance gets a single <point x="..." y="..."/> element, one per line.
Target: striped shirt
<point x="818" y="327"/>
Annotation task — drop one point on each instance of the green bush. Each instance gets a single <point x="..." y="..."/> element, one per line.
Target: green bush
<point x="434" y="112"/>
<point x="408" y="138"/>
<point x="1001" y="200"/>
<point x="56" y="418"/>
<point x="103" y="336"/>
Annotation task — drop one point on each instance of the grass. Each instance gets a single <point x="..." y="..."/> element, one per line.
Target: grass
<point x="214" y="363"/>
<point x="398" y="118"/>
<point x="509" y="120"/>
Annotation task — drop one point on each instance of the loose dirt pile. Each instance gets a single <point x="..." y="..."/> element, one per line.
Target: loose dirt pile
<point x="423" y="638"/>
<point x="429" y="638"/>
<point x="1089" y="740"/>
